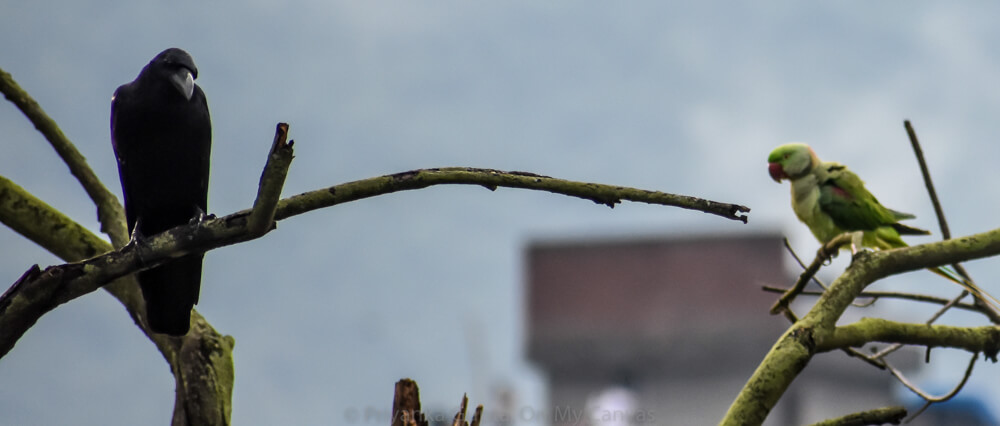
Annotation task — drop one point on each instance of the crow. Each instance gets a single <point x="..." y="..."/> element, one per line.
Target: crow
<point x="162" y="137"/>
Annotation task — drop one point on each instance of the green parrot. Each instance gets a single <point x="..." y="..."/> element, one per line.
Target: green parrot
<point x="832" y="200"/>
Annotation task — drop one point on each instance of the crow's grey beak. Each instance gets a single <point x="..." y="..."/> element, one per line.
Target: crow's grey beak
<point x="184" y="82"/>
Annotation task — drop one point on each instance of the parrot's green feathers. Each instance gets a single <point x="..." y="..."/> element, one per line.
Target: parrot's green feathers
<point x="793" y="160"/>
<point x="909" y="230"/>
<point x="830" y="199"/>
<point x="843" y="196"/>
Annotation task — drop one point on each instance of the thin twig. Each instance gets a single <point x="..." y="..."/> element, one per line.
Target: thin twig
<point x="985" y="307"/>
<point x="790" y="314"/>
<point x="884" y="352"/>
<point x="788" y="247"/>
<point x="884" y="295"/>
<point x="818" y="281"/>
<point x="822" y="255"/>
<point x="938" y="210"/>
<point x="924" y="407"/>
<point x="953" y="302"/>
<point x="874" y="362"/>
<point x="933" y="399"/>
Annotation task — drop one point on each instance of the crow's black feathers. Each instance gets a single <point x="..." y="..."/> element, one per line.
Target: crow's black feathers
<point x="162" y="137"/>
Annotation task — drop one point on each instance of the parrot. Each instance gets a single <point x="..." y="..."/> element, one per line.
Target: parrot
<point x="162" y="138"/>
<point x="831" y="200"/>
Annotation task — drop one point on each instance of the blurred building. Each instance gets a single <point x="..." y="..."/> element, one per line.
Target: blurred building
<point x="672" y="328"/>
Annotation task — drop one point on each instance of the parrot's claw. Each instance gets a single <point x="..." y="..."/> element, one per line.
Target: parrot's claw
<point x="826" y="255"/>
<point x="862" y="252"/>
<point x="857" y="247"/>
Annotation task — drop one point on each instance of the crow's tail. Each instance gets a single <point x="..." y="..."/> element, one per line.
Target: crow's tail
<point x="171" y="291"/>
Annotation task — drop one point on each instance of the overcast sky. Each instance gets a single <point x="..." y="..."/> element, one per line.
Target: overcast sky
<point x="336" y="305"/>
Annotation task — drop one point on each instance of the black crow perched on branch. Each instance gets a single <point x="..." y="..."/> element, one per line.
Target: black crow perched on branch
<point x="162" y="137"/>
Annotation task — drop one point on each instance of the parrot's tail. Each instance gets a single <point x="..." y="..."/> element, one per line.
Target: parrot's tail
<point x="968" y="286"/>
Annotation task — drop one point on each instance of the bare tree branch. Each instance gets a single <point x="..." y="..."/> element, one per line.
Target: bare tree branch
<point x="878" y="416"/>
<point x="801" y="341"/>
<point x="109" y="211"/>
<point x="925" y="172"/>
<point x="929" y="399"/>
<point x="60" y="284"/>
<point x="984" y="339"/>
<point x="272" y="179"/>
<point x="798" y="260"/>
<point x="38" y="291"/>
<point x="816" y="279"/>
<point x="878" y="359"/>
<point x="887" y="295"/>
<point x="491" y="179"/>
<point x="951" y="394"/>
<point x="36" y="294"/>
<point x="822" y="255"/>
<point x="985" y="307"/>
<point x="201" y="361"/>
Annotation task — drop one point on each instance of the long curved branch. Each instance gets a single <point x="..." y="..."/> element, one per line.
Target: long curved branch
<point x="109" y="211"/>
<point x="30" y="299"/>
<point x="491" y="179"/>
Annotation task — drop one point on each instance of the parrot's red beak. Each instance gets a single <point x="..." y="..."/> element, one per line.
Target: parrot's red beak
<point x="776" y="172"/>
